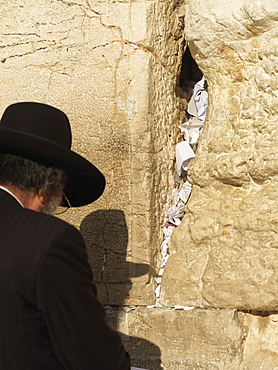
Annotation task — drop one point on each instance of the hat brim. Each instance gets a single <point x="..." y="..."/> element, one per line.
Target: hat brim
<point x="85" y="183"/>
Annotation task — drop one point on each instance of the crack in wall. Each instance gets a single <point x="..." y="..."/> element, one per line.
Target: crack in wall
<point x="193" y="83"/>
<point x="23" y="54"/>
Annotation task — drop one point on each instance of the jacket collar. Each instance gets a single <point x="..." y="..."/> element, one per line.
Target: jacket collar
<point x="9" y="192"/>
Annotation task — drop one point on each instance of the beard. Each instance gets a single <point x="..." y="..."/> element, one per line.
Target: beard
<point x="51" y="206"/>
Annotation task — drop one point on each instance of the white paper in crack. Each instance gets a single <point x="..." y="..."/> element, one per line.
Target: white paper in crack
<point x="167" y="231"/>
<point x="184" y="154"/>
<point x="185" y="192"/>
<point x="158" y="280"/>
<point x="191" y="130"/>
<point x="164" y="247"/>
<point x="185" y="308"/>
<point x="193" y="136"/>
<point x="157" y="291"/>
<point x="191" y="107"/>
<point x="198" y="104"/>
<point x="201" y="101"/>
<point x="175" y="214"/>
<point x="164" y="261"/>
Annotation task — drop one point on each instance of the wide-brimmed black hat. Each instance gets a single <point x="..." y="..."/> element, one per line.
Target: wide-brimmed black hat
<point x="42" y="133"/>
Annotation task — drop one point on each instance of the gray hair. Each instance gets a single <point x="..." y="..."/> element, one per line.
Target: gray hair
<point x="27" y="174"/>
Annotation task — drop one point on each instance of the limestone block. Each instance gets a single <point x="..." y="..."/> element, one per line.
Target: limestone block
<point x="224" y="252"/>
<point x="230" y="254"/>
<point x="260" y="349"/>
<point x="112" y="67"/>
<point x="172" y="339"/>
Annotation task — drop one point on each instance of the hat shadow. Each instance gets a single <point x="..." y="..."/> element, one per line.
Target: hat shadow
<point x="106" y="235"/>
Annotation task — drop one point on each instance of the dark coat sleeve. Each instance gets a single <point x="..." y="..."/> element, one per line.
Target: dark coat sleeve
<point x="75" y="320"/>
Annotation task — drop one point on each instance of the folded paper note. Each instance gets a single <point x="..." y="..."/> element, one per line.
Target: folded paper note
<point x="184" y="154"/>
<point x="198" y="104"/>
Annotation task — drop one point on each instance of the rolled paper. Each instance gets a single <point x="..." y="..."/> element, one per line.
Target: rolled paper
<point x="184" y="154"/>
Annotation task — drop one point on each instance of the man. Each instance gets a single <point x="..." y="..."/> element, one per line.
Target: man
<point x="49" y="315"/>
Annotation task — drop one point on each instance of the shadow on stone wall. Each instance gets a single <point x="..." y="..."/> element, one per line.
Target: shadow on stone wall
<point x="106" y="236"/>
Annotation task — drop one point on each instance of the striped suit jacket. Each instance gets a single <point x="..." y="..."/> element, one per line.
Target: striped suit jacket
<point x="49" y="315"/>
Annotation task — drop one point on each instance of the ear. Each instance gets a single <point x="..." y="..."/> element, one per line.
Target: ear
<point x="41" y="198"/>
<point x="36" y="200"/>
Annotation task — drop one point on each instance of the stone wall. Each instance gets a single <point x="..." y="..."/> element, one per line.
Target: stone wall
<point x="228" y="239"/>
<point x="223" y="255"/>
<point x="113" y="67"/>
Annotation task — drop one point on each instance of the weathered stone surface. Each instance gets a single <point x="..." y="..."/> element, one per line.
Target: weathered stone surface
<point x="231" y="243"/>
<point x="172" y="339"/>
<point x="261" y="349"/>
<point x="224" y="253"/>
<point x="198" y="339"/>
<point x="112" y="67"/>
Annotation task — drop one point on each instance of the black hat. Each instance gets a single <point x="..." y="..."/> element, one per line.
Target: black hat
<point x="42" y="133"/>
